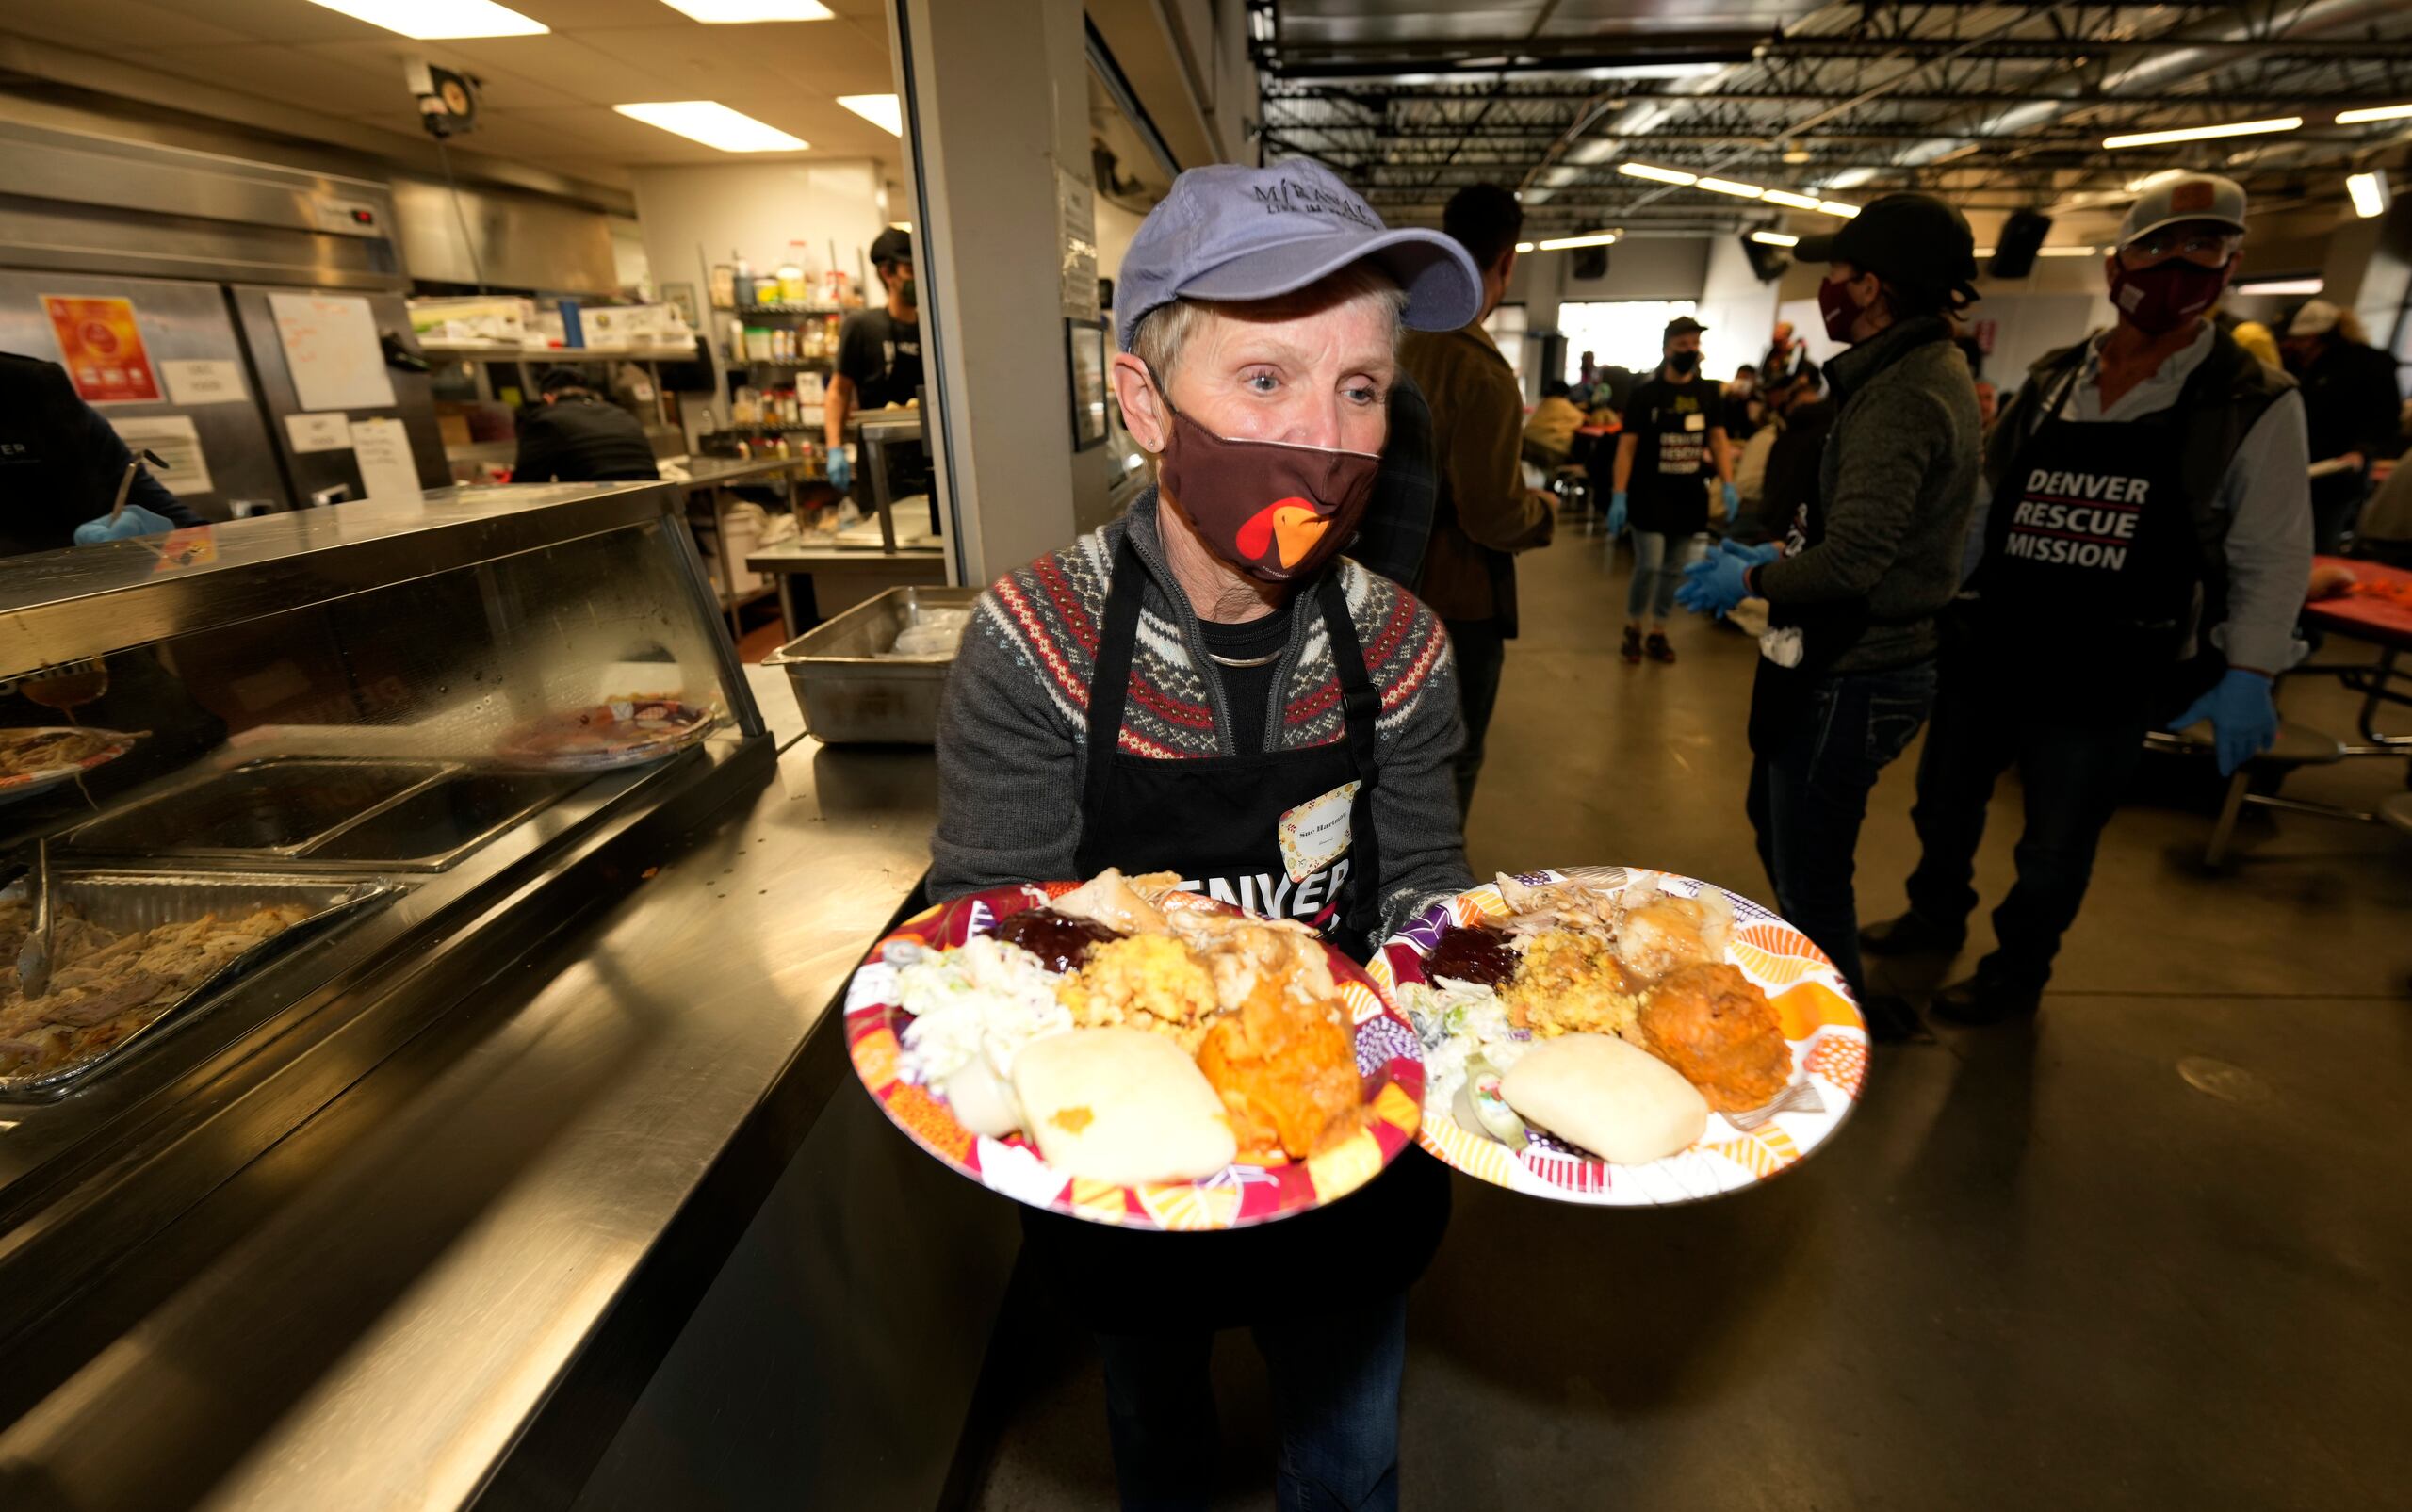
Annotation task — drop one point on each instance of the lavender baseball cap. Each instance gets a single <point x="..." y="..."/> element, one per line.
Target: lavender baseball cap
<point x="1233" y="233"/>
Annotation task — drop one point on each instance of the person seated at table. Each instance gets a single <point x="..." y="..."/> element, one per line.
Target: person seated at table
<point x="575" y="435"/>
<point x="1549" y="434"/>
<point x="2143" y="537"/>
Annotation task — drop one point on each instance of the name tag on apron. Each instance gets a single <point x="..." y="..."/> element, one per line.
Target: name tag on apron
<point x="1317" y="833"/>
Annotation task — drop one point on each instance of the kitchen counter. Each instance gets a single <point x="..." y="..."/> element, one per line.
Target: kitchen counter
<point x="450" y="1285"/>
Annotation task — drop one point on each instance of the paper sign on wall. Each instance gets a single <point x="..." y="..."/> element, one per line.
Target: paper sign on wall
<point x="101" y="347"/>
<point x="330" y="346"/>
<point x="1076" y="206"/>
<point x="319" y="433"/>
<point x="203" y="382"/>
<point x="382" y="449"/>
<point x="177" y="445"/>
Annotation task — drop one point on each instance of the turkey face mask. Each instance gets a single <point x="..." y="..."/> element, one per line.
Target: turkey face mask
<point x="1274" y="510"/>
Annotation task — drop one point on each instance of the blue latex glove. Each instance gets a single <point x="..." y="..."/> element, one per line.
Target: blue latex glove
<point x="2244" y="722"/>
<point x="842" y="470"/>
<point x="1714" y="585"/>
<point x="136" y="520"/>
<point x="1758" y="555"/>
<point x="1615" y="512"/>
<point x="1732" y="502"/>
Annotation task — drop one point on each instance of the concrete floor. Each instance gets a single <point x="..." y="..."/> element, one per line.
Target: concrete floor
<point x="2150" y="1251"/>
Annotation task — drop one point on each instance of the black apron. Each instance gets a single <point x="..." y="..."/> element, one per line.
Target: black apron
<point x="2091" y="577"/>
<point x="1667" y="493"/>
<point x="1215" y="821"/>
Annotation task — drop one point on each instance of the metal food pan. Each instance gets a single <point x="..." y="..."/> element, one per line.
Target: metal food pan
<point x="850" y="693"/>
<point x="126" y="902"/>
<point x="441" y="821"/>
<point x="280" y="806"/>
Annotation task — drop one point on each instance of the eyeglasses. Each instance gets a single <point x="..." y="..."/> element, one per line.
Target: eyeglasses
<point x="2206" y="245"/>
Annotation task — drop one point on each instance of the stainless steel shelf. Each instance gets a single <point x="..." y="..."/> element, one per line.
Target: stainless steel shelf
<point x="557" y="355"/>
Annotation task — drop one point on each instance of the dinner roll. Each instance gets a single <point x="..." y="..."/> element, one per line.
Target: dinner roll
<point x="1122" y="1106"/>
<point x="1622" y="1104"/>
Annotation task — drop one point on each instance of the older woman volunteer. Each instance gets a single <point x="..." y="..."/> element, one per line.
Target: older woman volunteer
<point x="1205" y="686"/>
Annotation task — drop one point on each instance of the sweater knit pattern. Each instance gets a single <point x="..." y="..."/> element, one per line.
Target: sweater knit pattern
<point x="1048" y="617"/>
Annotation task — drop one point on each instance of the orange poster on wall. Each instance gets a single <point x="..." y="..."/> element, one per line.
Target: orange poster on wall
<point x="102" y="348"/>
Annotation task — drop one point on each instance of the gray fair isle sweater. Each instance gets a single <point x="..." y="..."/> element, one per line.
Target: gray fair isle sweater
<point x="1012" y="728"/>
<point x="1899" y="477"/>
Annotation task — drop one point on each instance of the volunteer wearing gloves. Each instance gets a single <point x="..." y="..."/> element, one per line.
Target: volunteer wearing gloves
<point x="1847" y="671"/>
<point x="879" y="353"/>
<point x="60" y="465"/>
<point x="1673" y="441"/>
<point x="2148" y="484"/>
<point x="1206" y="686"/>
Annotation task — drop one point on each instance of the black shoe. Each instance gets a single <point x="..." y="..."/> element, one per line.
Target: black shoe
<point x="1979" y="1001"/>
<point x="1632" y="648"/>
<point x="1911" y="934"/>
<point x="1892" y="1021"/>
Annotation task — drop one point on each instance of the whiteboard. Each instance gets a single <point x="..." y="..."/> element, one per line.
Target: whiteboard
<point x="330" y="346"/>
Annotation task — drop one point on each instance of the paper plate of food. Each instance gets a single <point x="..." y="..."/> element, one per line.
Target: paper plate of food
<point x="35" y="759"/>
<point x="1623" y="1038"/>
<point x="1125" y="1052"/>
<point x="624" y="730"/>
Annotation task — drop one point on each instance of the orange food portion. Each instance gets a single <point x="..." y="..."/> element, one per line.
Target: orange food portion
<point x="1710" y="1023"/>
<point x="1072" y="1120"/>
<point x="1287" y="1071"/>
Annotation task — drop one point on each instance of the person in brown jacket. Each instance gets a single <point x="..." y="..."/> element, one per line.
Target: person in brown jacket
<point x="1485" y="513"/>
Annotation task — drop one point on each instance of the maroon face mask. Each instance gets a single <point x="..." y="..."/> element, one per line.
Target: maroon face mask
<point x="1841" y="311"/>
<point x="2159" y="299"/>
<point x="1271" y="509"/>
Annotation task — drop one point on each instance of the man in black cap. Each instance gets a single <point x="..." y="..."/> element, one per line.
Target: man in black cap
<point x="1846" y="668"/>
<point x="879" y="351"/>
<point x="575" y="435"/>
<point x="1673" y="441"/>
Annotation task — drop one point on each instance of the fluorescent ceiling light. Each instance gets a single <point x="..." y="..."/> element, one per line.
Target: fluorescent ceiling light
<point x="728" y="12"/>
<point x="2064" y="251"/>
<point x="2280" y="285"/>
<point x="1836" y="207"/>
<point x="1774" y="238"/>
<point x="1562" y="243"/>
<point x="2376" y="113"/>
<point x="880" y="110"/>
<point x="433" y="21"/>
<point x="1648" y="70"/>
<point x="1789" y="199"/>
<point x="2234" y="128"/>
<point x="1523" y="247"/>
<point x="714" y="125"/>
<point x="1662" y="175"/>
<point x="2369" y="192"/>
<point x="1726" y="186"/>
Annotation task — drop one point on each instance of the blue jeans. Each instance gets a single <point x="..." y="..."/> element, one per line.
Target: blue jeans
<point x="1809" y="794"/>
<point x="2072" y="776"/>
<point x="1335" y="1402"/>
<point x="1655" y="576"/>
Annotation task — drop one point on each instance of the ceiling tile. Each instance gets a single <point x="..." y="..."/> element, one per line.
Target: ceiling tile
<point x="586" y="15"/>
<point x="286" y="74"/>
<point x="585" y="73"/>
<point x="104" y="26"/>
<point x="277" y="21"/>
<point x="501" y="89"/>
<point x="698" y="62"/>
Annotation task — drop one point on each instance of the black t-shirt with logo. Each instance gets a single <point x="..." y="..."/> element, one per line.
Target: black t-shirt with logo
<point x="1672" y="465"/>
<point x="883" y="355"/>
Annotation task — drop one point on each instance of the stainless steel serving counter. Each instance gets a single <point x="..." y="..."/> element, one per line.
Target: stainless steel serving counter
<point x="450" y="1285"/>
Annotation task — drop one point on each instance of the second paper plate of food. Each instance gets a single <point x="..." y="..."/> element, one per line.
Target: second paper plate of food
<point x="1623" y="1038"/>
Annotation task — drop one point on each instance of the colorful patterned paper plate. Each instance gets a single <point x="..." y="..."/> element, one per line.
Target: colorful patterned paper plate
<point x="1389" y="1058"/>
<point x="1828" y="1063"/>
<point x="26" y="784"/>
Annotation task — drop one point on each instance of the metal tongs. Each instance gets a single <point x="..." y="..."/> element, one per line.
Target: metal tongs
<point x="124" y="487"/>
<point x="33" y="959"/>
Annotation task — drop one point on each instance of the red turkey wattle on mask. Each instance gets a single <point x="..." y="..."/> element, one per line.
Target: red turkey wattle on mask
<point x="1273" y="509"/>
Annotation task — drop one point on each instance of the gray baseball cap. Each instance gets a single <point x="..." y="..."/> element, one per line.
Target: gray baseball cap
<point x="1232" y="233"/>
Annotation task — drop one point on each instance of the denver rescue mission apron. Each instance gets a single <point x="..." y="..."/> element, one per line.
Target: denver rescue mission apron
<point x="1286" y="835"/>
<point x="1667" y="493"/>
<point x="2087" y="586"/>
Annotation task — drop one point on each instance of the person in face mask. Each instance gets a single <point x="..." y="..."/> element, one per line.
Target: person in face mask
<point x="879" y="351"/>
<point x="1847" y="671"/>
<point x="2351" y="406"/>
<point x="2143" y="555"/>
<point x="1205" y="686"/>
<point x="1673" y="443"/>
